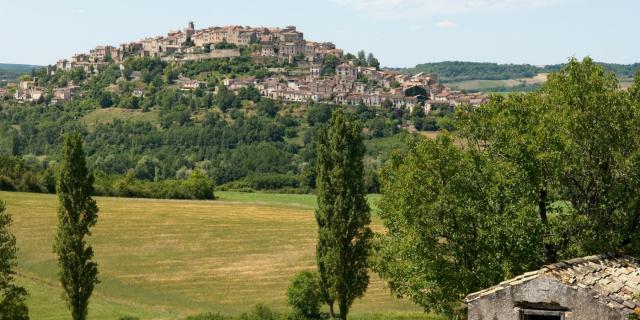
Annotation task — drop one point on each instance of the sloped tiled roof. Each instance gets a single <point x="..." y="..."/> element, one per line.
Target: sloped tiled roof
<point x="613" y="280"/>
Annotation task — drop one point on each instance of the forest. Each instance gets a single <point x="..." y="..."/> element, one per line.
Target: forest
<point x="451" y="71"/>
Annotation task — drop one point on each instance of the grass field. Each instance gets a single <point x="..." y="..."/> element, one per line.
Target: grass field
<point x="108" y="115"/>
<point x="491" y="84"/>
<point x="165" y="259"/>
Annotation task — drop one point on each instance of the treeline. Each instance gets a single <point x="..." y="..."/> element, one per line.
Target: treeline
<point x="452" y="71"/>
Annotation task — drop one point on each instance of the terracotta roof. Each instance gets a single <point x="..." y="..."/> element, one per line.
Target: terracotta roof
<point x="613" y="280"/>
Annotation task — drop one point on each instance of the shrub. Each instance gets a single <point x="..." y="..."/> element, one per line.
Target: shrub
<point x="304" y="294"/>
<point x="208" y="316"/>
<point x="260" y="312"/>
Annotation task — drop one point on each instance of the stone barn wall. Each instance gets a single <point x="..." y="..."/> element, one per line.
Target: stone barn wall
<point x="542" y="292"/>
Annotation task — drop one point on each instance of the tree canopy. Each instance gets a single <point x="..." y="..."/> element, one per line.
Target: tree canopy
<point x="528" y="179"/>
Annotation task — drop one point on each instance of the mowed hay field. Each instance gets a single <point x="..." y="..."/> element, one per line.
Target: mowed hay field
<point x="165" y="259"/>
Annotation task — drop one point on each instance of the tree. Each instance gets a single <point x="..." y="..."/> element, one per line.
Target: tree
<point x="267" y="107"/>
<point x="329" y="65"/>
<point x="372" y="61"/>
<point x="12" y="297"/>
<point x="77" y="213"/>
<point x="318" y="114"/>
<point x="362" y="58"/>
<point x="455" y="222"/>
<point x="304" y="295"/>
<point x="577" y="141"/>
<point x="200" y="187"/>
<point x="343" y="214"/>
<point x="225" y="99"/>
<point x="543" y="176"/>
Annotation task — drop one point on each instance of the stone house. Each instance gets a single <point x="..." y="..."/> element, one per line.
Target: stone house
<point x="138" y="92"/>
<point x="63" y="64"/>
<point x="62" y="94"/>
<point x="100" y="53"/>
<point x="346" y="71"/>
<point x="268" y="51"/>
<point x="193" y="84"/>
<point x="590" y="288"/>
<point x="315" y="70"/>
<point x="291" y="49"/>
<point x="79" y="58"/>
<point x="3" y="92"/>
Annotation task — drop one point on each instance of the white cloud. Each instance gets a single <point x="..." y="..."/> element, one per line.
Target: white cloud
<point x="446" y="24"/>
<point x="402" y="9"/>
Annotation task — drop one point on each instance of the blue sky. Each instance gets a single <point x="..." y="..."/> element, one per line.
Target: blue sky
<point x="399" y="32"/>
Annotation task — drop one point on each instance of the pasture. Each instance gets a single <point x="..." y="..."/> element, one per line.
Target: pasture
<point x="166" y="259"/>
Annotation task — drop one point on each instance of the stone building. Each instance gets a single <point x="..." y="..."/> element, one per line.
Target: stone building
<point x="100" y="53"/>
<point x="346" y="71"/>
<point x="590" y="288"/>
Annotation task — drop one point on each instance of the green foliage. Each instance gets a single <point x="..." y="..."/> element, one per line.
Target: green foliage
<point x="226" y="99"/>
<point x="224" y="45"/>
<point x="267" y="107"/>
<point x="261" y="312"/>
<point x="343" y="214"/>
<point x="305" y="294"/>
<point x="454" y="216"/>
<point x="450" y="71"/>
<point x="199" y="186"/>
<point x="77" y="213"/>
<point x="459" y="71"/>
<point x="318" y="114"/>
<point x="266" y="181"/>
<point x="208" y="316"/>
<point x="330" y="63"/>
<point x="12" y="298"/>
<point x="542" y="177"/>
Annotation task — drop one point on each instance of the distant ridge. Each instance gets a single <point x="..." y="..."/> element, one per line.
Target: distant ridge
<point x="11" y="72"/>
<point x="451" y="71"/>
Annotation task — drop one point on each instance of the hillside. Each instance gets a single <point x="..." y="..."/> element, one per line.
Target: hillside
<point x="147" y="134"/>
<point x="162" y="259"/>
<point x="11" y="72"/>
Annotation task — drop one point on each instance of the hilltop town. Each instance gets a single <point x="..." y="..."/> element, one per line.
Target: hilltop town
<point x="317" y="71"/>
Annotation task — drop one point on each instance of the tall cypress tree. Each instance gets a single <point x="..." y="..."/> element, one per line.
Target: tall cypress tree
<point x="12" y="297"/>
<point x="343" y="214"/>
<point x="77" y="213"/>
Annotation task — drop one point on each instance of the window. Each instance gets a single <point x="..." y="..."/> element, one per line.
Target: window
<point x="541" y="315"/>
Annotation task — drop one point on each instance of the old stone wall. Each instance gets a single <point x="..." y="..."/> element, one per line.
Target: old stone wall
<point x="544" y="292"/>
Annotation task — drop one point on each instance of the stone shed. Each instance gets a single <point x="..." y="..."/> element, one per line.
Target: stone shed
<point x="590" y="288"/>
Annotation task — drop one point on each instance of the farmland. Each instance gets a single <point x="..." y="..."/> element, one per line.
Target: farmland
<point x="166" y="259"/>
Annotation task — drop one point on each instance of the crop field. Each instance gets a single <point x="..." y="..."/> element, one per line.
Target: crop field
<point x="166" y="259"/>
<point x="490" y="84"/>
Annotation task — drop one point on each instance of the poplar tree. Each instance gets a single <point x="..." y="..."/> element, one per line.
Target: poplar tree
<point x="343" y="216"/>
<point x="12" y="297"/>
<point x="77" y="213"/>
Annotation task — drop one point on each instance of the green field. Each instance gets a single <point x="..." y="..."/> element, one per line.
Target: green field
<point x="165" y="259"/>
<point x="108" y="115"/>
<point x="483" y="85"/>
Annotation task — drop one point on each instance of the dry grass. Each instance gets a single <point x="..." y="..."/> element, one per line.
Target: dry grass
<point x="162" y="259"/>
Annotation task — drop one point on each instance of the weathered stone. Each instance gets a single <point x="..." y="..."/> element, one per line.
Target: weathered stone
<point x="589" y="288"/>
